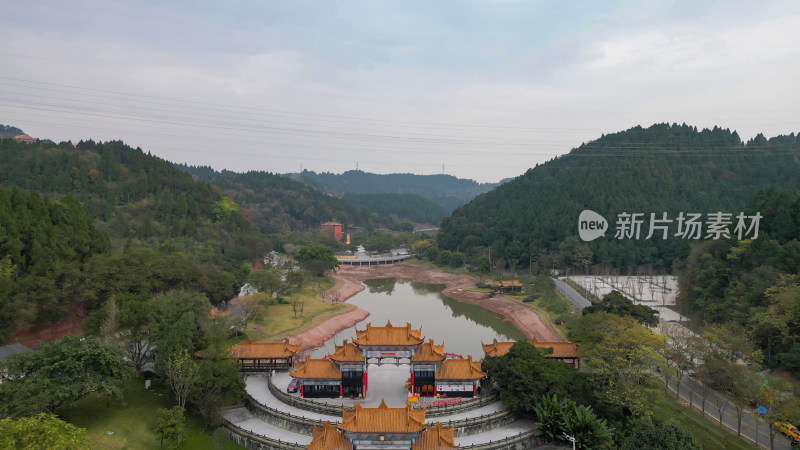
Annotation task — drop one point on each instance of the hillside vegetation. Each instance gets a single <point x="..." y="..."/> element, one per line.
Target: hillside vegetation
<point x="278" y="204"/>
<point x="663" y="168"/>
<point x="403" y="206"/>
<point x="447" y="191"/>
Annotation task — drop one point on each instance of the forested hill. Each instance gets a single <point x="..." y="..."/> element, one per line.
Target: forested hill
<point x="663" y="168"/>
<point x="447" y="191"/>
<point x="279" y="204"/>
<point x="165" y="229"/>
<point x="403" y="206"/>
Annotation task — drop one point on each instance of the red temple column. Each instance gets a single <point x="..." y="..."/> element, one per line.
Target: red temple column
<point x="412" y="382"/>
<point x="340" y="391"/>
<point x="301" y="390"/>
<point x="474" y="389"/>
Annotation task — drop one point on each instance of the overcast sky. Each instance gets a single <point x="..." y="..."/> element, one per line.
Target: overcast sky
<point x="482" y="90"/>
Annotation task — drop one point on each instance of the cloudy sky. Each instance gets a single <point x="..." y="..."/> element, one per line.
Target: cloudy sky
<point x="482" y="90"/>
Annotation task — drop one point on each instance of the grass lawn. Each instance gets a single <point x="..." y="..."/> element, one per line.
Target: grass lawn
<point x="131" y="423"/>
<point x="706" y="431"/>
<point x="278" y="321"/>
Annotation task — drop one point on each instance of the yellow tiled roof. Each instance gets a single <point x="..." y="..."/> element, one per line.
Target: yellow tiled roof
<point x="255" y="350"/>
<point x="460" y="369"/>
<point x="317" y="369"/>
<point x="497" y="348"/>
<point x="560" y="349"/>
<point x="328" y="437"/>
<point x="436" y="437"/>
<point x="429" y="352"/>
<point x="382" y="419"/>
<point x="347" y="352"/>
<point x="388" y="335"/>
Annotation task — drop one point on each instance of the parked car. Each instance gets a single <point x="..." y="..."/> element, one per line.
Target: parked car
<point x="788" y="429"/>
<point x="294" y="386"/>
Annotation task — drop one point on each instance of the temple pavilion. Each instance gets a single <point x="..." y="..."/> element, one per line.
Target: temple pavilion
<point x="382" y="428"/>
<point x="568" y="352"/>
<point x="262" y="356"/>
<point x="345" y="372"/>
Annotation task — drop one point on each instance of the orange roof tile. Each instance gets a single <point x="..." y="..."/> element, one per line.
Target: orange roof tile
<point x="328" y="437"/>
<point x="23" y="137"/>
<point x="317" y="369"/>
<point x="347" y="352"/>
<point x="436" y="437"/>
<point x="388" y="335"/>
<point x="460" y="369"/>
<point x="382" y="419"/>
<point x="261" y="350"/>
<point x="508" y="283"/>
<point x="429" y="352"/>
<point x="497" y="348"/>
<point x="560" y="349"/>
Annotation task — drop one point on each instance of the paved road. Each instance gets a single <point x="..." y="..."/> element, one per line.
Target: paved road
<point x="690" y="386"/>
<point x="571" y="294"/>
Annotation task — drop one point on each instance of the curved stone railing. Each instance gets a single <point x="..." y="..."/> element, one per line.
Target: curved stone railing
<point x="305" y="425"/>
<point x="255" y="441"/>
<point x="324" y="408"/>
<point x="302" y="403"/>
<point x="480" y="424"/>
<point x="525" y="440"/>
<point x="298" y="424"/>
<point x="446" y="410"/>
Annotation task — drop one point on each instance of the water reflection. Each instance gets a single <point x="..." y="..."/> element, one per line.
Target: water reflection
<point x="462" y="326"/>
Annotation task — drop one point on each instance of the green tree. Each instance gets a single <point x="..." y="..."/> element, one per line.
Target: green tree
<point x="525" y="375"/>
<point x="42" y="431"/>
<point x="579" y="421"/>
<point x="182" y="375"/>
<point x="317" y="258"/>
<point x="219" y="383"/>
<point x="621" y="356"/>
<point x="60" y="372"/>
<point x="169" y="426"/>
<point x="616" y="303"/>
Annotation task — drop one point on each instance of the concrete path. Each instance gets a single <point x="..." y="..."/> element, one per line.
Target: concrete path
<point x="497" y="434"/>
<point x="241" y="417"/>
<point x="257" y="387"/>
<point x="571" y="294"/>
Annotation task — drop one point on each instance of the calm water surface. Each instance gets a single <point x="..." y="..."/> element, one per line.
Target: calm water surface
<point x="462" y="326"/>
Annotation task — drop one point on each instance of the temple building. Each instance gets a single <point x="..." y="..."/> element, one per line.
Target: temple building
<point x="262" y="356"/>
<point x="424" y="362"/>
<point x="354" y="370"/>
<point x="319" y="378"/>
<point x="568" y="352"/>
<point x="388" y="344"/>
<point x="381" y="428"/>
<point x="507" y="286"/>
<point x="459" y="377"/>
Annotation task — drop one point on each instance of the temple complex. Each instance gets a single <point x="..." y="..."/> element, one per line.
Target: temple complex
<point x="382" y="428"/>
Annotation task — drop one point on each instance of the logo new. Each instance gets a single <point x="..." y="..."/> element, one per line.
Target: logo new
<point x="591" y="225"/>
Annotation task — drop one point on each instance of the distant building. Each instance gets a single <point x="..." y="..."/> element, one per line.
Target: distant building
<point x="568" y="352"/>
<point x="334" y="230"/>
<point x="25" y="138"/>
<point x="508" y="286"/>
